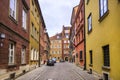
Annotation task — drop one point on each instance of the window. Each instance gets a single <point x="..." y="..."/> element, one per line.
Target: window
<point x="91" y="57"/>
<point x="103" y="4"/>
<point x="106" y="56"/>
<point x="64" y="41"/>
<point x="32" y="53"/>
<point x="33" y="2"/>
<point x="37" y="55"/>
<point x="89" y="22"/>
<point x="13" y="8"/>
<point x="81" y="55"/>
<point x="23" y="55"/>
<point x="87" y="1"/>
<point x="67" y="36"/>
<point x="66" y="31"/>
<point x="105" y="76"/>
<point x="32" y="31"/>
<point x="68" y="41"/>
<point x="11" y="53"/>
<point x="24" y="19"/>
<point x="58" y="37"/>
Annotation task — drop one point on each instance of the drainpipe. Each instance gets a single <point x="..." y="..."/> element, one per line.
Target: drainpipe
<point x="39" y="59"/>
<point x="84" y="39"/>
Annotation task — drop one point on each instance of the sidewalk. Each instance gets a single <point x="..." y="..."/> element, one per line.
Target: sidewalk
<point x="6" y="76"/>
<point x="84" y="74"/>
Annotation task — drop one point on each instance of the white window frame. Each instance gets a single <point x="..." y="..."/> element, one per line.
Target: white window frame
<point x="23" y="55"/>
<point x="13" y="8"/>
<point x="65" y="41"/>
<point x="11" y="54"/>
<point x="24" y="19"/>
<point x="66" y="31"/>
<point x="32" y="53"/>
<point x="89" y="22"/>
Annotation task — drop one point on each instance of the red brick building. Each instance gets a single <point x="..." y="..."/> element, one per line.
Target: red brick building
<point x="43" y="56"/>
<point x="14" y="35"/>
<point x="79" y="27"/>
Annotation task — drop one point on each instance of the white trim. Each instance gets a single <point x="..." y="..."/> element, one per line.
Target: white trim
<point x="104" y="72"/>
<point x="11" y="54"/>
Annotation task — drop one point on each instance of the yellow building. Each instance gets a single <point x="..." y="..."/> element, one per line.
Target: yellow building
<point x="34" y="33"/>
<point x="102" y="38"/>
<point x="56" y="47"/>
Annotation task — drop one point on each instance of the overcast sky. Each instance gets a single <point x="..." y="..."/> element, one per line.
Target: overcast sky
<point x="57" y="13"/>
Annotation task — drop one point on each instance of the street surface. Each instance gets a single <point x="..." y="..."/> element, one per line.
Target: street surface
<point x="61" y="71"/>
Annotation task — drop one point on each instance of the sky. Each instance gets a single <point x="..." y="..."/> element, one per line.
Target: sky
<point x="57" y="13"/>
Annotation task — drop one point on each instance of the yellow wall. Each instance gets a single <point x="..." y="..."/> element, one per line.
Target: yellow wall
<point x="54" y="48"/>
<point x="34" y="36"/>
<point x="105" y="32"/>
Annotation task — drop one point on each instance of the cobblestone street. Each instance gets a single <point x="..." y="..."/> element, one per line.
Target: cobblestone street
<point x="61" y="71"/>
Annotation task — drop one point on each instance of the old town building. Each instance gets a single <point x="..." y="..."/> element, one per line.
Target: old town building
<point x="35" y="16"/>
<point x="65" y="43"/>
<point x="56" y="46"/>
<point x="43" y="56"/>
<point x="47" y="46"/>
<point x="102" y="38"/>
<point x="79" y="34"/>
<point x="14" y="35"/>
<point x="72" y="35"/>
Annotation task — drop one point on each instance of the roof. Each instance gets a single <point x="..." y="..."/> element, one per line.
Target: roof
<point x="58" y="36"/>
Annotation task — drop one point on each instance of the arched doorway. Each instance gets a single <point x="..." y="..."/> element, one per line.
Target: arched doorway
<point x="66" y="58"/>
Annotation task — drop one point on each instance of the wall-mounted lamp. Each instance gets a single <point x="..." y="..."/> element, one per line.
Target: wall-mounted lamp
<point x="2" y="36"/>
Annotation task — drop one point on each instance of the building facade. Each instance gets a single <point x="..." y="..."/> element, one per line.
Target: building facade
<point x="102" y="38"/>
<point x="35" y="16"/>
<point x="47" y="46"/>
<point x="56" y="46"/>
<point x="79" y="34"/>
<point x="65" y="43"/>
<point x="72" y="35"/>
<point x="14" y="35"/>
<point x="43" y="56"/>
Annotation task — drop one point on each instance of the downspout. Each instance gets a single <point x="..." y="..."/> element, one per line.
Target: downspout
<point x="39" y="59"/>
<point x="84" y="39"/>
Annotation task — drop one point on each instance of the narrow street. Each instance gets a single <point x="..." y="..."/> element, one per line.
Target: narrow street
<point x="61" y="71"/>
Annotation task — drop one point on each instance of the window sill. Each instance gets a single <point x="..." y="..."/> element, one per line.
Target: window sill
<point x="25" y="30"/>
<point x="102" y="17"/>
<point x="81" y="60"/>
<point x="23" y="64"/>
<point x="105" y="68"/>
<point x="89" y="31"/>
<point x="91" y="65"/>
<point x="14" y="20"/>
<point x="11" y="65"/>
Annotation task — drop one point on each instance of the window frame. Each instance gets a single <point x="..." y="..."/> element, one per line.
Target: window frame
<point x="81" y="55"/>
<point x="91" y="57"/>
<point x="108" y="76"/>
<point x="106" y="56"/>
<point x="23" y="55"/>
<point x="105" y="13"/>
<point x="89" y="29"/>
<point x="13" y="12"/>
<point x="24" y="19"/>
<point x="11" y="61"/>
<point x="87" y="1"/>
